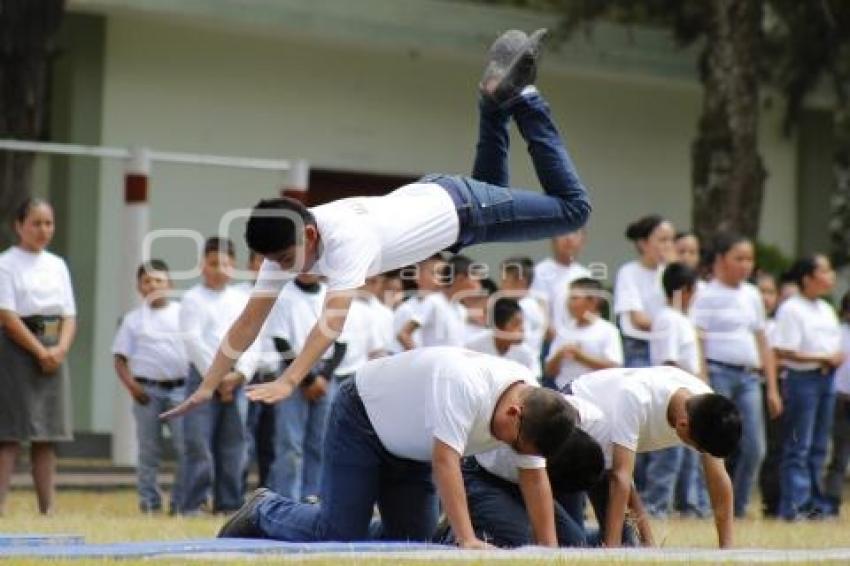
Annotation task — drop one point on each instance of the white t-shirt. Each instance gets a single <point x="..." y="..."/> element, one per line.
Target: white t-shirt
<point x="294" y="314"/>
<point x="674" y="339"/>
<point x="520" y="353"/>
<point x="599" y="339"/>
<point x="729" y="318"/>
<point x="35" y="284"/>
<point x="403" y="313"/>
<point x="501" y="462"/>
<point x="637" y="289"/>
<point x="442" y="322"/>
<point x="363" y="236"/>
<point x="552" y="283"/>
<point x="808" y="327"/>
<point x="842" y="374"/>
<point x="362" y="336"/>
<point x="636" y="402"/>
<point x="205" y="317"/>
<point x="534" y="323"/>
<point x="382" y="317"/>
<point x="442" y="393"/>
<point x="267" y="357"/>
<point x="150" y="339"/>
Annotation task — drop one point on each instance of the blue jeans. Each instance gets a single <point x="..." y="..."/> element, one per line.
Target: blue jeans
<point x="357" y="473"/>
<point x="149" y="435"/>
<point x="299" y="435"/>
<point x="498" y="512"/>
<point x="691" y="492"/>
<point x="743" y="388"/>
<point x="837" y="469"/>
<point x="215" y="440"/>
<point x="809" y="401"/>
<point x="488" y="210"/>
<point x="574" y="505"/>
<point x="662" y="471"/>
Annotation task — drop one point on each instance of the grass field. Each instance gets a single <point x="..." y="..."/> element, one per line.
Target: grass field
<point x="112" y="517"/>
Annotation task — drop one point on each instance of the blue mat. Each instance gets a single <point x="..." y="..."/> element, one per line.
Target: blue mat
<point x="17" y="540"/>
<point x="195" y="547"/>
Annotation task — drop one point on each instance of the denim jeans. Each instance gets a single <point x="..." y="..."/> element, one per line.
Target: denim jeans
<point x="574" y="505"/>
<point x="488" y="209"/>
<point x="357" y="473"/>
<point x="215" y="438"/>
<point x="837" y="469"/>
<point x="743" y="388"/>
<point x="149" y="435"/>
<point x="691" y="491"/>
<point x="259" y="429"/>
<point x="809" y="401"/>
<point x="770" y="477"/>
<point x="299" y="436"/>
<point x="498" y="511"/>
<point x="662" y="473"/>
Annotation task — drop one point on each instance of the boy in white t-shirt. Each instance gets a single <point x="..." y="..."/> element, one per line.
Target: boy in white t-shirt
<point x="673" y="341"/>
<point x="429" y="278"/>
<point x="517" y="278"/>
<point x="441" y="317"/>
<point x="506" y="338"/>
<point x="404" y="420"/>
<point x="659" y="407"/>
<point x="151" y="362"/>
<point x="587" y="342"/>
<point x="349" y="239"/>
<point x="552" y="277"/>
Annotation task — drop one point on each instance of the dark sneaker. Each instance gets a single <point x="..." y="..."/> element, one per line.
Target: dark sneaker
<point x="241" y="524"/>
<point x="512" y="65"/>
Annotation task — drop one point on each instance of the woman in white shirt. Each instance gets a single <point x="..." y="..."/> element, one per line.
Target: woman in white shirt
<point x="37" y="313"/>
<point x="730" y="314"/>
<point x="637" y="292"/>
<point x="808" y="341"/>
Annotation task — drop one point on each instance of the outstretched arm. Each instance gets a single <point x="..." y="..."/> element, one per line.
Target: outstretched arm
<point x="449" y="480"/>
<point x="720" y="492"/>
<point x="326" y="330"/>
<point x="537" y="495"/>
<point x="620" y="488"/>
<point x="239" y="338"/>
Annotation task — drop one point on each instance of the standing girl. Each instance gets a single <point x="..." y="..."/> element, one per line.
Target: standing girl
<point x="37" y="312"/>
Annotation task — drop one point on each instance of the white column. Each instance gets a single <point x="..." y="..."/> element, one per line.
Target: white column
<point x="136" y="223"/>
<point x="297" y="181"/>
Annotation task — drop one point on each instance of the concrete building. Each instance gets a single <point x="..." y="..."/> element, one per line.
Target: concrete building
<point x="370" y="92"/>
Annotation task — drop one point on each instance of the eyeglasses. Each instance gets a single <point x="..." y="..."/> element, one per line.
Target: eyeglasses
<point x="515" y="443"/>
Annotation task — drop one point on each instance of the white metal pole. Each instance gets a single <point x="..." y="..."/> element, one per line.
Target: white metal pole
<point x="136" y="222"/>
<point x="297" y="181"/>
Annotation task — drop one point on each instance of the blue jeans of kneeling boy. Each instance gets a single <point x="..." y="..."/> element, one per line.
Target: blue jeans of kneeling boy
<point x="357" y="473"/>
<point x="149" y="436"/>
<point x="809" y="402"/>
<point x="744" y="389"/>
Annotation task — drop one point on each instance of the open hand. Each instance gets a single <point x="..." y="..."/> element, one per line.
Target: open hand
<point x="193" y="401"/>
<point x="270" y="392"/>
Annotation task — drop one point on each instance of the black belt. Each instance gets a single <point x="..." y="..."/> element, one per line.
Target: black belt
<point x="163" y="384"/>
<point x="38" y="323"/>
<point x="734" y="367"/>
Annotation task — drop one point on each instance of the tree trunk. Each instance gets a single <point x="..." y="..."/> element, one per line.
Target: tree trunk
<point x="27" y="30"/>
<point x="727" y="171"/>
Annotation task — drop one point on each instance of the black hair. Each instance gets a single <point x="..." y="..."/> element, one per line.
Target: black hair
<point x="587" y="284"/>
<point x="457" y="265"/>
<point x="677" y="277"/>
<point x="844" y="307"/>
<point x="519" y="267"/>
<point x="151" y="265"/>
<point x="504" y="310"/>
<point x="802" y="268"/>
<point x="548" y="420"/>
<point x="578" y="465"/>
<point x="26" y="207"/>
<point x="724" y="242"/>
<point x="277" y="224"/>
<point x="642" y="228"/>
<point x="221" y="245"/>
<point x="715" y="424"/>
<point x="685" y="234"/>
<point x="489" y="286"/>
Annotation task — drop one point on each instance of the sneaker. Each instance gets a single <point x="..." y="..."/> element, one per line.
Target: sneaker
<point x="512" y="65"/>
<point x="241" y="524"/>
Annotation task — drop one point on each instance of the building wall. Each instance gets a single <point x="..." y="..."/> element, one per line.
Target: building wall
<point x="179" y="86"/>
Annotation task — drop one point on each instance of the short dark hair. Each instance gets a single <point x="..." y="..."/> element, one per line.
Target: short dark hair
<point x="272" y="226"/>
<point x="219" y="245"/>
<point x="725" y="241"/>
<point x="715" y="424"/>
<point x="685" y="234"/>
<point x="578" y="465"/>
<point x="677" y="277"/>
<point x="642" y="228"/>
<point x="548" y="419"/>
<point x="844" y="308"/>
<point x="457" y="265"/>
<point x="151" y="265"/>
<point x="587" y="284"/>
<point x="804" y="267"/>
<point x="504" y="310"/>
<point x="26" y="207"/>
<point x="519" y="267"/>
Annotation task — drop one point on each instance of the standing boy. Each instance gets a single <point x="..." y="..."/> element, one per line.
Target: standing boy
<point x="517" y="278"/>
<point x="151" y="362"/>
<point x="505" y="340"/>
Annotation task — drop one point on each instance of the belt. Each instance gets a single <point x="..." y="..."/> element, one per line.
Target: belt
<point x="41" y="325"/>
<point x="463" y="207"/>
<point x="734" y="367"/>
<point x="163" y="384"/>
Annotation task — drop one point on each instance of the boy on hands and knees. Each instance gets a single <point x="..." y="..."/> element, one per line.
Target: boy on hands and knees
<point x="151" y="362"/>
<point x="353" y="238"/>
<point x="405" y="419"/>
<point x="658" y="407"/>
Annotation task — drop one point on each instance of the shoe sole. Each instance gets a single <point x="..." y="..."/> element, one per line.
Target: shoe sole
<point x="531" y="50"/>
<point x="244" y="512"/>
